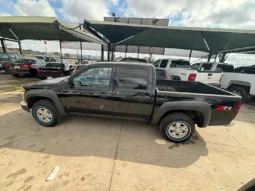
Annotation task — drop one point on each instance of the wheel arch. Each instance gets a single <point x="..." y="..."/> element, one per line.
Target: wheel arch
<point x="199" y="111"/>
<point x="242" y="84"/>
<point x="32" y="96"/>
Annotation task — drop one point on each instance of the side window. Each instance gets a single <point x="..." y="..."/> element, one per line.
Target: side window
<point x="250" y="71"/>
<point x="195" y="66"/>
<point x="206" y="67"/>
<point x="163" y="64"/>
<point x="225" y="68"/>
<point x="94" y="78"/>
<point x="156" y="63"/>
<point x="132" y="78"/>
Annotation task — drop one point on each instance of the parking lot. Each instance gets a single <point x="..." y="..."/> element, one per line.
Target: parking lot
<point x="112" y="154"/>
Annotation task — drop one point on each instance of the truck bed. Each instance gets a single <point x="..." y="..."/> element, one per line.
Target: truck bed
<point x="190" y="87"/>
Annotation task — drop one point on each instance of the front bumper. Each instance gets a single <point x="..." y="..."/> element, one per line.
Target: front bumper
<point x="24" y="106"/>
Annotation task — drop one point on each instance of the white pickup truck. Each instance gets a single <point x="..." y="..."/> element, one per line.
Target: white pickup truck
<point x="205" y="72"/>
<point x="242" y="83"/>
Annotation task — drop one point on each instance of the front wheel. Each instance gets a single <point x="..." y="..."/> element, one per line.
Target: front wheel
<point x="177" y="127"/>
<point x="45" y="113"/>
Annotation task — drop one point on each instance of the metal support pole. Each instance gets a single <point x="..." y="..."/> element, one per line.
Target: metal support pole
<point x="81" y="50"/>
<point x="190" y="54"/>
<point x="113" y="49"/>
<point x="20" y="49"/>
<point x="209" y="57"/>
<point x="222" y="58"/>
<point x="215" y="57"/>
<point x="102" y="52"/>
<point x="138" y="51"/>
<point x="125" y="51"/>
<point x="108" y="52"/>
<point x="60" y="46"/>
<point x="3" y="45"/>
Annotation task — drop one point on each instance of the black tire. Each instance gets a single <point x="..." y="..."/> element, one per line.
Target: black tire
<point x="33" y="72"/>
<point x="184" y="121"/>
<point x="240" y="91"/>
<point x="42" y="105"/>
<point x="15" y="75"/>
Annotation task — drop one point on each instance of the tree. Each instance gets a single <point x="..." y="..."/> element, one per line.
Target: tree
<point x="56" y="53"/>
<point x="66" y="55"/>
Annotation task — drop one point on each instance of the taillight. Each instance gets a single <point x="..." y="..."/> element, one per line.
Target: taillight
<point x="164" y="75"/>
<point x="192" y="77"/>
<point x="8" y="65"/>
<point x="32" y="65"/>
<point x="75" y="71"/>
<point x="237" y="108"/>
<point x="24" y="66"/>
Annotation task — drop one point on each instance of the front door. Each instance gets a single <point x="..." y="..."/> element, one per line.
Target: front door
<point x="91" y="92"/>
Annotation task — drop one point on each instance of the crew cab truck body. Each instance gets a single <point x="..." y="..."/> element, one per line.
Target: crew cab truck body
<point x="242" y="84"/>
<point x="206" y="72"/>
<point x="131" y="91"/>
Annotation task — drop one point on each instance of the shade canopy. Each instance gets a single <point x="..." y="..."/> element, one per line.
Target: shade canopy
<point x="43" y="28"/>
<point x="201" y="39"/>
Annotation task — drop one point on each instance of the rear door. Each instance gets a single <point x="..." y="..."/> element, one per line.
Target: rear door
<point x="130" y="92"/>
<point x="207" y="76"/>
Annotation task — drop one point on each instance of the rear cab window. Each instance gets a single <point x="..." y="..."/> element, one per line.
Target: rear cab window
<point x="4" y="57"/>
<point x="179" y="64"/>
<point x="54" y="65"/>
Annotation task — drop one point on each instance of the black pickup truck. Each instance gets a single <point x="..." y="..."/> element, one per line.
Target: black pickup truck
<point x="130" y="90"/>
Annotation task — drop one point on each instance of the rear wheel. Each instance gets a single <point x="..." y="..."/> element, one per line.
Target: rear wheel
<point x="45" y="113"/>
<point x="177" y="127"/>
<point x="15" y="75"/>
<point x="241" y="92"/>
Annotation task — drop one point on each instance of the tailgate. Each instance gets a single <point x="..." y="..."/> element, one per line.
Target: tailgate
<point x="160" y="74"/>
<point x="209" y="77"/>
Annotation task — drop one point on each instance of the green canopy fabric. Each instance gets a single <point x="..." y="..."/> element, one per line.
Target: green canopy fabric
<point x="43" y="28"/>
<point x="201" y="39"/>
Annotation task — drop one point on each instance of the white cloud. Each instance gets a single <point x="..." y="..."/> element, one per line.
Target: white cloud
<point x="5" y="14"/>
<point x="33" y="8"/>
<point x="217" y="13"/>
<point x="77" y="10"/>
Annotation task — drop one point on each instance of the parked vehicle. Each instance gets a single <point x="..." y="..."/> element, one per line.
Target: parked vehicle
<point x="6" y="60"/>
<point x="168" y="69"/>
<point x="213" y="66"/>
<point x="26" y="67"/>
<point x="77" y="68"/>
<point x="248" y="70"/>
<point x="129" y="59"/>
<point x="130" y="91"/>
<point x="239" y="69"/>
<point x="54" y="69"/>
<point x="242" y="83"/>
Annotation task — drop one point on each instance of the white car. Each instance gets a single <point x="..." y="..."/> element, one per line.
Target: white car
<point x="242" y="83"/>
<point x="168" y="69"/>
